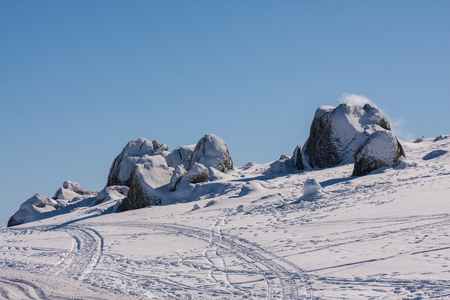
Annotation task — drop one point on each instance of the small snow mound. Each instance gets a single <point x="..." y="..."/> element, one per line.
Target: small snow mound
<point x="240" y="208"/>
<point x="434" y="154"/>
<point x="195" y="207"/>
<point x="312" y="188"/>
<point x="251" y="187"/>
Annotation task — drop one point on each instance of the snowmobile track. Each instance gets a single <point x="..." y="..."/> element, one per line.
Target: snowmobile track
<point x="284" y="279"/>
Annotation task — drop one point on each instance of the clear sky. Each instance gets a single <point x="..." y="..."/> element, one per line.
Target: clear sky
<point x="79" y="79"/>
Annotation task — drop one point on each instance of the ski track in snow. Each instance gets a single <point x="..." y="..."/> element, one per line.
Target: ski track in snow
<point x="284" y="280"/>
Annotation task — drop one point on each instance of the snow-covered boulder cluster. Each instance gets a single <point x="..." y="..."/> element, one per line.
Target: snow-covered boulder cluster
<point x="150" y="171"/>
<point x="145" y="173"/>
<point x="345" y="134"/>
<point x="70" y="196"/>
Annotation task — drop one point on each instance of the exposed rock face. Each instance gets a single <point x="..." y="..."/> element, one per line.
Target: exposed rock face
<point x="148" y="176"/>
<point x="176" y="177"/>
<point x="197" y="173"/>
<point x="180" y="156"/>
<point x="336" y="133"/>
<point x="381" y="149"/>
<point x="296" y="159"/>
<point x="212" y="152"/>
<point x="120" y="172"/>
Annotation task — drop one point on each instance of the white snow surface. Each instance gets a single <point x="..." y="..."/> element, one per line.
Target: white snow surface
<point x="250" y="235"/>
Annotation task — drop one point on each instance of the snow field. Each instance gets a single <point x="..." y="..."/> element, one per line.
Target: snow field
<point x="380" y="236"/>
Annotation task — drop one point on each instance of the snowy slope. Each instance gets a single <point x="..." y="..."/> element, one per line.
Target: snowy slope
<point x="253" y="234"/>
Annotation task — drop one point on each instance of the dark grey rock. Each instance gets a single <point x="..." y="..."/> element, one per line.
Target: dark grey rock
<point x="296" y="158"/>
<point x="381" y="149"/>
<point x="336" y="133"/>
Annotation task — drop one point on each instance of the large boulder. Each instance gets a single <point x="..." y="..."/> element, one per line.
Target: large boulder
<point x="180" y="156"/>
<point x="147" y="181"/>
<point x="212" y="152"/>
<point x="337" y="132"/>
<point x="381" y="149"/>
<point x="197" y="173"/>
<point x="122" y="167"/>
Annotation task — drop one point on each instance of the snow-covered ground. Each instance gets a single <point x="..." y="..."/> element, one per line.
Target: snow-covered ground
<point x="255" y="235"/>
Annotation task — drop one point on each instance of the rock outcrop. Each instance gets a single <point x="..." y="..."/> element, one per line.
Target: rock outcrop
<point x="296" y="158"/>
<point x="148" y="177"/>
<point x="381" y="149"/>
<point x="197" y="173"/>
<point x="176" y="177"/>
<point x="33" y="209"/>
<point x="122" y="167"/>
<point x="180" y="156"/>
<point x="69" y="197"/>
<point x="212" y="152"/>
<point x="336" y="133"/>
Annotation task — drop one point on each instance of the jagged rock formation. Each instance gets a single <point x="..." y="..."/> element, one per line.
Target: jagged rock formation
<point x="212" y="152"/>
<point x="336" y="133"/>
<point x="381" y="149"/>
<point x="296" y="158"/>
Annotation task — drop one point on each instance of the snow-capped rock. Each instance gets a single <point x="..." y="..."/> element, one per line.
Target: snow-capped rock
<point x="124" y="163"/>
<point x="282" y="165"/>
<point x="149" y="176"/>
<point x="176" y="177"/>
<point x="70" y="190"/>
<point x="212" y="152"/>
<point x="296" y="159"/>
<point x="196" y="174"/>
<point x="180" y="156"/>
<point x="111" y="193"/>
<point x="336" y="133"/>
<point x="381" y="149"/>
<point x="32" y="210"/>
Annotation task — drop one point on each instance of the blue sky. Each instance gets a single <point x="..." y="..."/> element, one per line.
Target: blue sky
<point x="79" y="79"/>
